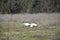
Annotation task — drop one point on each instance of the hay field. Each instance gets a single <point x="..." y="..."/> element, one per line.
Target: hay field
<point x="12" y="28"/>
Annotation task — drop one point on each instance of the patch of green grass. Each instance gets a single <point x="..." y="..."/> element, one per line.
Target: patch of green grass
<point x="26" y="32"/>
<point x="27" y="38"/>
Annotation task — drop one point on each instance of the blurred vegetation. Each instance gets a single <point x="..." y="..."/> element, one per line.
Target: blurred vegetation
<point x="16" y="31"/>
<point x="29" y="6"/>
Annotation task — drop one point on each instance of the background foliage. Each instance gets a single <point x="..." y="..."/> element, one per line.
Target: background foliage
<point x="29" y="6"/>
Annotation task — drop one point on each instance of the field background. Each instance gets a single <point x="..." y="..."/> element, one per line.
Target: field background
<point x="12" y="28"/>
<point x="43" y="18"/>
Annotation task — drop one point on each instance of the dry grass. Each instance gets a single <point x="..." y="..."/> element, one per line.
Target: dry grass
<point x="12" y="28"/>
<point x="20" y="32"/>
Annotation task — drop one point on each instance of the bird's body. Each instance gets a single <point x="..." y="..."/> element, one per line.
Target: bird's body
<point x="26" y="24"/>
<point x="33" y="24"/>
<point x="30" y="24"/>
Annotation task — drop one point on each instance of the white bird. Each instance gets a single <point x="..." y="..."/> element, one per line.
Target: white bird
<point x="33" y="24"/>
<point x="30" y="24"/>
<point x="26" y="24"/>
